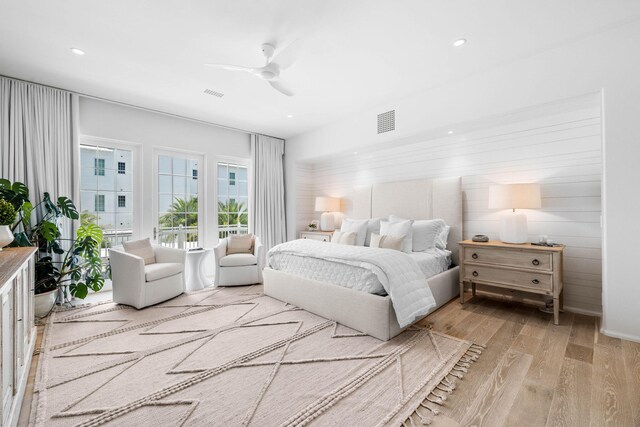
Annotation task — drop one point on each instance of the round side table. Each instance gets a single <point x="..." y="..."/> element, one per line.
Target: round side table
<point x="195" y="277"/>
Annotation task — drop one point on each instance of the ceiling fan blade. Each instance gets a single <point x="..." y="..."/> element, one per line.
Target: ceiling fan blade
<point x="286" y="57"/>
<point x="281" y="88"/>
<point x="231" y="67"/>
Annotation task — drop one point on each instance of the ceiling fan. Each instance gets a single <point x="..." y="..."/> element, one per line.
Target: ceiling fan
<point x="271" y="70"/>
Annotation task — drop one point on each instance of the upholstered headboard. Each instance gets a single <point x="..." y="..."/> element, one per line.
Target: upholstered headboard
<point x="417" y="199"/>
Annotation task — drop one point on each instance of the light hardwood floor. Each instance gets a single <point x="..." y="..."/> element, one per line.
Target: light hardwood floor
<point x="534" y="373"/>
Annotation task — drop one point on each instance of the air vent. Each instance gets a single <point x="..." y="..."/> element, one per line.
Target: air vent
<point x="214" y="93"/>
<point x="387" y="121"/>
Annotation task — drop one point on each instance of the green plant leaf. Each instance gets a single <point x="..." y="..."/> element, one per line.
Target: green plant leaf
<point x="20" y="189"/>
<point x="49" y="230"/>
<point x="95" y="282"/>
<point x="90" y="230"/>
<point x="5" y="184"/>
<point x="67" y="208"/>
<point x="21" y="239"/>
<point x="79" y="290"/>
<point x="49" y="205"/>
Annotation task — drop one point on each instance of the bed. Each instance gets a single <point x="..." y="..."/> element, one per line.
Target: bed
<point x="366" y="312"/>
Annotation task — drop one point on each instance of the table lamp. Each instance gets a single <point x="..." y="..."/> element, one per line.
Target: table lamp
<point x="513" y="225"/>
<point x="327" y="205"/>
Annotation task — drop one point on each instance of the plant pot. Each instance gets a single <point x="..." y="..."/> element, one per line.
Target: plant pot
<point x="6" y="236"/>
<point x="43" y="303"/>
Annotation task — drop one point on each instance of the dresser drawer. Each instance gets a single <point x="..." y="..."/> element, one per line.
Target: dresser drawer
<point x="314" y="236"/>
<point x="522" y="279"/>
<point x="512" y="258"/>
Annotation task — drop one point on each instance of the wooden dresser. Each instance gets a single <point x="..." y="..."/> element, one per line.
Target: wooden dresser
<point x="323" y="236"/>
<point x="527" y="268"/>
<point x="17" y="327"/>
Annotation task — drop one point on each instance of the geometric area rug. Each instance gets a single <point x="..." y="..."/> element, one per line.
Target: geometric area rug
<point x="235" y="357"/>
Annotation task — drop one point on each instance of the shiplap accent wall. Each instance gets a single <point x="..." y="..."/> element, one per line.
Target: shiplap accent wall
<point x="560" y="150"/>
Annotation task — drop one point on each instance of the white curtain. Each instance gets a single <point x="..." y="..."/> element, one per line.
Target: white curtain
<point x="267" y="214"/>
<point x="39" y="140"/>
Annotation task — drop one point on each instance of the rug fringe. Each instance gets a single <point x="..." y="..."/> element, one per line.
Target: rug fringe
<point x="438" y="395"/>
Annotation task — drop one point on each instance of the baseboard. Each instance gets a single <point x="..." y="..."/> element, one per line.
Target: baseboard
<point x="582" y="311"/>
<point x="621" y="336"/>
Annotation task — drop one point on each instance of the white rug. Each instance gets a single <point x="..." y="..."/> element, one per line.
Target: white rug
<point x="234" y="357"/>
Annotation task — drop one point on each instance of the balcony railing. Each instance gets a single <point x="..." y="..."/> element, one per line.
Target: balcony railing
<point x="175" y="237"/>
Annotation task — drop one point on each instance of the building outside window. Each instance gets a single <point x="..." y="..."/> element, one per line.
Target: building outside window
<point x="122" y="201"/>
<point x="99" y="203"/>
<point x="98" y="165"/>
<point x="122" y="168"/>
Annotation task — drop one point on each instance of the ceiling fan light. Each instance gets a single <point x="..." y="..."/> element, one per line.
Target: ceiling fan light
<point x="267" y="74"/>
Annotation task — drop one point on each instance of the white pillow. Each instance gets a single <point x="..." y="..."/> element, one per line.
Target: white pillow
<point x="426" y="232"/>
<point x="441" y="241"/>
<point x="358" y="226"/>
<point x="387" y="242"/>
<point x="373" y="226"/>
<point x="141" y="248"/>
<point x="398" y="228"/>
<point x="344" y="237"/>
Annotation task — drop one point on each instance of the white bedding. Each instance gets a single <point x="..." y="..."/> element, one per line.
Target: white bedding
<point x="432" y="261"/>
<point x="362" y="268"/>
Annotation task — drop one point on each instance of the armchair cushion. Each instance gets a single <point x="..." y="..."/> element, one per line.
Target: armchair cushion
<point x="161" y="270"/>
<point x="141" y="248"/>
<point x="238" y="260"/>
<point x="240" y="244"/>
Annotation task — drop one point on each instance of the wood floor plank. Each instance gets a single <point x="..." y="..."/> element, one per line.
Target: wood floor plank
<point x="492" y="401"/>
<point x="609" y="400"/>
<point x="631" y="356"/>
<point x="537" y="324"/>
<point x="569" y="407"/>
<point x="531" y="407"/>
<point x="579" y="352"/>
<point x="583" y="330"/>
<point x="526" y="344"/>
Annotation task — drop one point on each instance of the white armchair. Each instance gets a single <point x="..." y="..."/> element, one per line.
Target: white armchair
<point x="238" y="269"/>
<point x="140" y="285"/>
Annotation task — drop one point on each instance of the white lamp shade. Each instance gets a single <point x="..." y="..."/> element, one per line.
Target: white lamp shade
<point x="327" y="204"/>
<point x="515" y="196"/>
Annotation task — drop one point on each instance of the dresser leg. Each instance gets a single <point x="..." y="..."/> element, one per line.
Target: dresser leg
<point x="473" y="289"/>
<point x="556" y="311"/>
<point x="461" y="292"/>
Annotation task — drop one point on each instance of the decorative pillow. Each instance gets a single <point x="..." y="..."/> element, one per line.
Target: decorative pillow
<point x="358" y="226"/>
<point x="344" y="237"/>
<point x="373" y="226"/>
<point x="387" y="242"/>
<point x="426" y="232"/>
<point x="398" y="228"/>
<point x="141" y="248"/>
<point x="441" y="241"/>
<point x="240" y="244"/>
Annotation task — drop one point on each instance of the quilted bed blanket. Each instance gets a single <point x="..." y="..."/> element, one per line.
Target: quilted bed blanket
<point x="399" y="275"/>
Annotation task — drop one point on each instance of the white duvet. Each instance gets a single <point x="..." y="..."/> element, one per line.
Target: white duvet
<point x="360" y="268"/>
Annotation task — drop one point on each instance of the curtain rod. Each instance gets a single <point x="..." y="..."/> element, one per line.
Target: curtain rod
<point x="137" y="107"/>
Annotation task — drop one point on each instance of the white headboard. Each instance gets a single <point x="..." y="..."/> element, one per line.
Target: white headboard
<point x="417" y="199"/>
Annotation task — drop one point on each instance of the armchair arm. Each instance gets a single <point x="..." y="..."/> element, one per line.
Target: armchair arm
<point x="127" y="277"/>
<point x="165" y="254"/>
<point x="258" y="251"/>
<point x="220" y="251"/>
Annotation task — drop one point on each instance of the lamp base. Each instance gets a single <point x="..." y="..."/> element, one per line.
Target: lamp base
<point x="327" y="222"/>
<point x="513" y="228"/>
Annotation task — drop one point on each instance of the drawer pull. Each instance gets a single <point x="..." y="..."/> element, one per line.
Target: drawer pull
<point x="474" y="256"/>
<point x="535" y="281"/>
<point x="475" y="274"/>
<point x="535" y="262"/>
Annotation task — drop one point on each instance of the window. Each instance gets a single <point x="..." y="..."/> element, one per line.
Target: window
<point x="177" y="201"/>
<point x="104" y="192"/>
<point x="233" y="199"/>
<point x="98" y="165"/>
<point x="99" y="203"/>
<point x="122" y="168"/>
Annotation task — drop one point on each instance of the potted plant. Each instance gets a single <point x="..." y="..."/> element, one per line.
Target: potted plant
<point x="71" y="266"/>
<point x="7" y="218"/>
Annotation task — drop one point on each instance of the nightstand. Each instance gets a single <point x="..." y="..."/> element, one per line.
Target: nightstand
<point x="527" y="268"/>
<point x="323" y="236"/>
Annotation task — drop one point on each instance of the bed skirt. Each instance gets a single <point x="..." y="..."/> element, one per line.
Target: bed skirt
<point x="364" y="312"/>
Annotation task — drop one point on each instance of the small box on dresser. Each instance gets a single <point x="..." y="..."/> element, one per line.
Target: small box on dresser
<point x="520" y="267"/>
<point x="323" y="236"/>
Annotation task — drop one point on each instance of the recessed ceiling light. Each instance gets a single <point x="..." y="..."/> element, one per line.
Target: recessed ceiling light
<point x="77" y="51"/>
<point x="459" y="42"/>
<point x="450" y="132"/>
<point x="289" y="116"/>
<point x="355" y="152"/>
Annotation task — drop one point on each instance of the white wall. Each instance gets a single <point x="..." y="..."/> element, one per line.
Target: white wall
<point x="158" y="131"/>
<point x="604" y="62"/>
